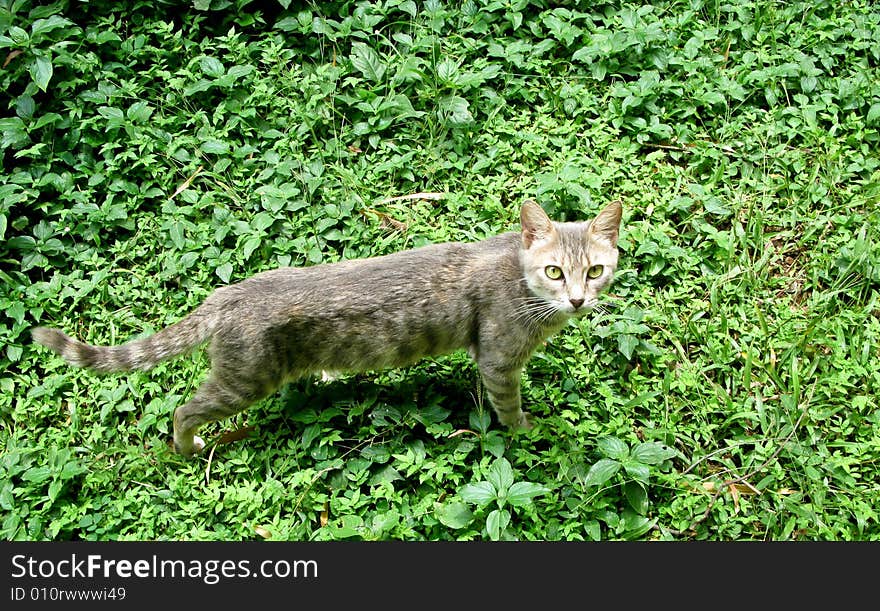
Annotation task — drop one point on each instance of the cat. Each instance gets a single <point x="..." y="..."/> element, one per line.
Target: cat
<point x="500" y="298"/>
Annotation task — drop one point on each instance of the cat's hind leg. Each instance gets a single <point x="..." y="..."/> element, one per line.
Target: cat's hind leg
<point x="214" y="400"/>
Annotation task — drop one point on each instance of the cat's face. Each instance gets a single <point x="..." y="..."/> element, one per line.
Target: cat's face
<point x="567" y="265"/>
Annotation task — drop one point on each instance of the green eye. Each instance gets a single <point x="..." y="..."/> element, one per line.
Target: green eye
<point x="594" y="272"/>
<point x="553" y="272"/>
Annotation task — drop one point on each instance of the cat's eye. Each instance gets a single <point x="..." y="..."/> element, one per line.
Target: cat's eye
<point x="595" y="271"/>
<point x="553" y="272"/>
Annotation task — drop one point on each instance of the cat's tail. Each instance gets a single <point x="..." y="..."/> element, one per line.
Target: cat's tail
<point x="141" y="354"/>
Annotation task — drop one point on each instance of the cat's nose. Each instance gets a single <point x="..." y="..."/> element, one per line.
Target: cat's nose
<point x="576" y="303"/>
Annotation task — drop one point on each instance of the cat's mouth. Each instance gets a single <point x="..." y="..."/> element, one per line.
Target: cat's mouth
<point x="579" y="307"/>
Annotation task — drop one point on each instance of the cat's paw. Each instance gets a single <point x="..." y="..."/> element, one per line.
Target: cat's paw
<point x="189" y="449"/>
<point x="526" y="422"/>
<point x="329" y="376"/>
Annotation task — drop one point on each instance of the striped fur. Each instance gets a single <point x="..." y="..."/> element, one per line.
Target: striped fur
<point x="492" y="297"/>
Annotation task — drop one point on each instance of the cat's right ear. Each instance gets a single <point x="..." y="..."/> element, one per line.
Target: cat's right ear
<point x="536" y="225"/>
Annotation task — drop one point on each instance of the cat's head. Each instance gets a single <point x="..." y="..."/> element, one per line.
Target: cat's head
<point x="567" y="265"/>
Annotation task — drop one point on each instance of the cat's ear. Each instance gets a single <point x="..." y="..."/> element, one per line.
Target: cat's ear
<point x="536" y="225"/>
<point x="606" y="226"/>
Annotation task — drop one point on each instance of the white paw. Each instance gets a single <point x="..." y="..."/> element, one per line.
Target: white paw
<point x="198" y="444"/>
<point x="329" y="376"/>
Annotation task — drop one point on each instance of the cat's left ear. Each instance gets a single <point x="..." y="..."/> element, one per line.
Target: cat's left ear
<point x="606" y="225"/>
<point x="536" y="225"/>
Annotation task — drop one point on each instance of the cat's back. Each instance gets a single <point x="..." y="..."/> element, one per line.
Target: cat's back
<point x="434" y="269"/>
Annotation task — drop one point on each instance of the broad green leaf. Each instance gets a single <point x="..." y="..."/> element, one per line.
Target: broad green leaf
<point x="501" y="476"/>
<point x="637" y="497"/>
<point x="12" y="133"/>
<point x="214" y="147"/>
<point x="873" y="113"/>
<point x="627" y="344"/>
<point x="139" y="112"/>
<point x="635" y="525"/>
<point x="454" y="515"/>
<point x="25" y="106"/>
<point x="494" y="444"/>
<point x="224" y="272"/>
<point x="601" y="472"/>
<point x="612" y="447"/>
<point x="652" y="452"/>
<point x="522" y="493"/>
<point x="176" y="233"/>
<point x="480" y="420"/>
<point x="446" y="70"/>
<point x="37" y="474"/>
<point x="637" y="470"/>
<point x="41" y="26"/>
<point x="18" y="35"/>
<point x="347" y="527"/>
<point x="41" y="71"/>
<point x="480" y="493"/>
<point x="454" y="110"/>
<point x="496" y="522"/>
<point x="211" y="66"/>
<point x="386" y="475"/>
<point x="13" y="352"/>
<point x="250" y="245"/>
<point x="367" y="61"/>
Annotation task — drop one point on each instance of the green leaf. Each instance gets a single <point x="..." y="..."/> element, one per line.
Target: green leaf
<point x="37" y="474"/>
<point x="873" y="113"/>
<point x="601" y="472"/>
<point x="250" y="245"/>
<point x="367" y="61"/>
<point x="176" y="232"/>
<point x="13" y="353"/>
<point x="19" y="36"/>
<point x="500" y="476"/>
<point x="480" y="420"/>
<point x="637" y="497"/>
<point x="211" y="66"/>
<point x="480" y="493"/>
<point x="637" y="470"/>
<point x="627" y="344"/>
<point x="496" y="522"/>
<point x="454" y="515"/>
<point x="612" y="447"/>
<point x="41" y="26"/>
<point x="522" y="493"/>
<point x="635" y="525"/>
<point x="347" y="526"/>
<point x="652" y="452"/>
<point x="13" y="133"/>
<point x="214" y="147"/>
<point x="41" y="71"/>
<point x="224" y="272"/>
<point x="454" y="110"/>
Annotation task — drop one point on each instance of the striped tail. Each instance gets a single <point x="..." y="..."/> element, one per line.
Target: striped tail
<point x="141" y="354"/>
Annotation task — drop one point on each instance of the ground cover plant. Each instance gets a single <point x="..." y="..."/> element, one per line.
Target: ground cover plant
<point x="727" y="388"/>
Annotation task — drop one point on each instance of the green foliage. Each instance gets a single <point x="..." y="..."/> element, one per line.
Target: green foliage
<point x="725" y="389"/>
<point x="499" y="490"/>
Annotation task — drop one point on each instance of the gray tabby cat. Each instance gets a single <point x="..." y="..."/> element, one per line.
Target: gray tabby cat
<point x="499" y="298"/>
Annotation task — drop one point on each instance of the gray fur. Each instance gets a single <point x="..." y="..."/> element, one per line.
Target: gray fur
<point x="491" y="297"/>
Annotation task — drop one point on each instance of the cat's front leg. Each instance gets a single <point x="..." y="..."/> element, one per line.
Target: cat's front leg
<point x="502" y="387"/>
